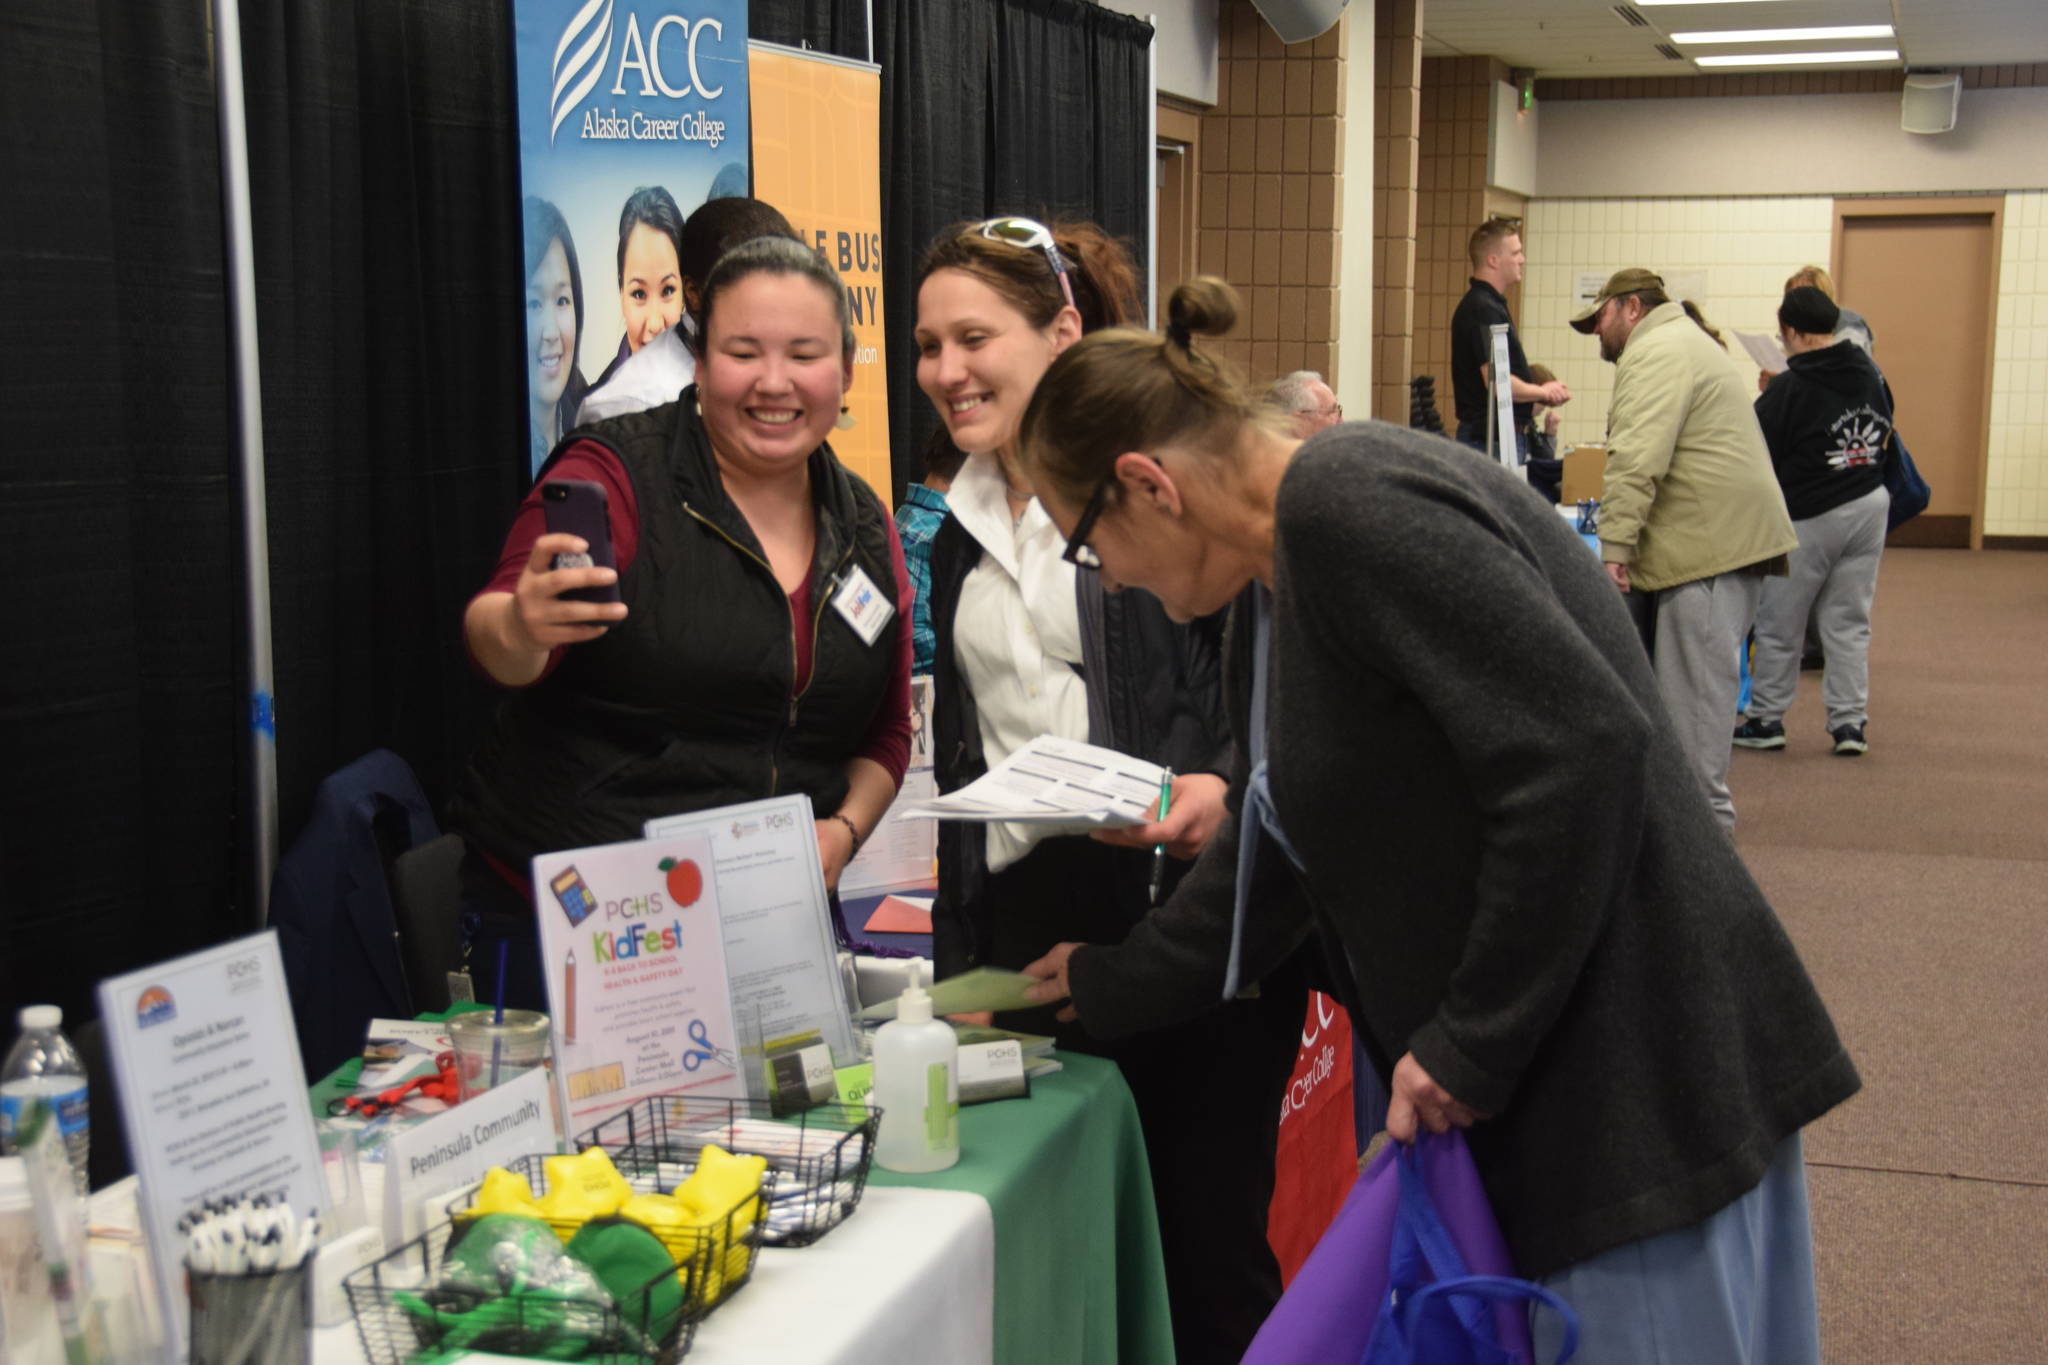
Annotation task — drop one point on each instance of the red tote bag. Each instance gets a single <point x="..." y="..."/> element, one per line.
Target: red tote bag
<point x="1317" y="1160"/>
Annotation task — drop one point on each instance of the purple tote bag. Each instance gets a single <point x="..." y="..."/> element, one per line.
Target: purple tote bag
<point x="1329" y="1312"/>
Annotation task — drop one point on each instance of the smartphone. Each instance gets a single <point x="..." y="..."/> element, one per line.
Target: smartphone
<point x="578" y="507"/>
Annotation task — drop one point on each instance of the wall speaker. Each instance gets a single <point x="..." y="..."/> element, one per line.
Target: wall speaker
<point x="1297" y="21"/>
<point x="1929" y="102"/>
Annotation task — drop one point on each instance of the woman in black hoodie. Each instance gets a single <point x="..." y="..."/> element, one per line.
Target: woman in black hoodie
<point x="1828" y="421"/>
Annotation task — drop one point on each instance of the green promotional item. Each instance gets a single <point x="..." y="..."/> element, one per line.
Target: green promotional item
<point x="636" y="1270"/>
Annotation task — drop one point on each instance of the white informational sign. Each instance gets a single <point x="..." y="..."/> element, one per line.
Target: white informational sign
<point x="779" y="944"/>
<point x="634" y="954"/>
<point x="213" y="1097"/>
<point x="901" y="853"/>
<point x="1586" y="287"/>
<point x="454" y="1149"/>
<point x="1504" y="445"/>
<point x="1686" y="284"/>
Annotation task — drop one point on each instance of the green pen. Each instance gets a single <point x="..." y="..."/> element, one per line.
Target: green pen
<point x="1159" y="850"/>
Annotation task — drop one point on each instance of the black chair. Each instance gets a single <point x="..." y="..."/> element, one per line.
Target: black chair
<point x="426" y="894"/>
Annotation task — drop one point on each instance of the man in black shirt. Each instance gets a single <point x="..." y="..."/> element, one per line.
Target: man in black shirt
<point x="1496" y="252"/>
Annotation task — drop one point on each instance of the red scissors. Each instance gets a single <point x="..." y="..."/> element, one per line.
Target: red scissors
<point x="441" y="1084"/>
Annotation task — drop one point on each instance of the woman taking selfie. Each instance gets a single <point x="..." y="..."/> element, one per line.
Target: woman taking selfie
<point x="736" y="663"/>
<point x="1025" y="646"/>
<point x="1457" y="771"/>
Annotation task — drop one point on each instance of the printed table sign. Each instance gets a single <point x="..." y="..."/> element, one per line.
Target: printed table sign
<point x="634" y="952"/>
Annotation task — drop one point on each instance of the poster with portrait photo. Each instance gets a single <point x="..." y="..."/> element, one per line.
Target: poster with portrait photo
<point x="631" y="114"/>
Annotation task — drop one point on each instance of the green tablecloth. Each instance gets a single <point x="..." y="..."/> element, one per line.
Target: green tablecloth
<point x="1079" y="1275"/>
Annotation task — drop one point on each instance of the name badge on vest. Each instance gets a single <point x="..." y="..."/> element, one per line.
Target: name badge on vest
<point x="862" y="605"/>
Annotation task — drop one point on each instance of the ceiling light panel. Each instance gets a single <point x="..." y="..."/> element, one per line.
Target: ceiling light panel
<point x="1799" y="58"/>
<point x="1838" y="33"/>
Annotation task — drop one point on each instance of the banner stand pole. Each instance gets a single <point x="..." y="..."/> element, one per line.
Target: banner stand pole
<point x="238" y="240"/>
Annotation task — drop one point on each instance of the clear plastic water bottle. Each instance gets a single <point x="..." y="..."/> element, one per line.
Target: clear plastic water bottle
<point x="42" y="1065"/>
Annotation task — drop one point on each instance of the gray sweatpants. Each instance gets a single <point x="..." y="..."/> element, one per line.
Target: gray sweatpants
<point x="1696" y="653"/>
<point x="1834" y="576"/>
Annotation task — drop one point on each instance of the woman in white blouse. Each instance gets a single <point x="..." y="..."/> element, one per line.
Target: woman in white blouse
<point x="1028" y="646"/>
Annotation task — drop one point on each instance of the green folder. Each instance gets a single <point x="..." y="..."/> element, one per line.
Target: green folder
<point x="984" y="988"/>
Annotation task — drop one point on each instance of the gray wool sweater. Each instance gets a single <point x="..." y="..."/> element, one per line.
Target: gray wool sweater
<point x="1506" y="857"/>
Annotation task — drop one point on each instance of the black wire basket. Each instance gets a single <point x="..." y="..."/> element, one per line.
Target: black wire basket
<point x="719" y="1253"/>
<point x="406" y="1310"/>
<point x="819" y="1157"/>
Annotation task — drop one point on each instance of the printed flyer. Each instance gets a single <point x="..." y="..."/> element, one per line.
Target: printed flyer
<point x="631" y="114"/>
<point x="632" y="945"/>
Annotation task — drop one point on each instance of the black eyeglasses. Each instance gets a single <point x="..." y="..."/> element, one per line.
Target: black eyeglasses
<point x="1032" y="235"/>
<point x="1079" y="553"/>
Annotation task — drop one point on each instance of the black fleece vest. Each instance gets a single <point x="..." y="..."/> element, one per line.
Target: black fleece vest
<point x="688" y="704"/>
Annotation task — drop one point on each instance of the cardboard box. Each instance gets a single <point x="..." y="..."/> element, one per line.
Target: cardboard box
<point x="1585" y="472"/>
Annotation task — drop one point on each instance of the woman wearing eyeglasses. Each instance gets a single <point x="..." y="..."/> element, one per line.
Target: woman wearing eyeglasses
<point x="1026" y="645"/>
<point x="1459" y="776"/>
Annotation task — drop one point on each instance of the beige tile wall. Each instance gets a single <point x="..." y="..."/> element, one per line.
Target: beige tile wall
<point x="1744" y="248"/>
<point x="2016" y="480"/>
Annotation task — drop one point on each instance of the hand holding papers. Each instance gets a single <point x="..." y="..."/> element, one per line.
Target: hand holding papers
<point x="1764" y="349"/>
<point x="1059" y="780"/>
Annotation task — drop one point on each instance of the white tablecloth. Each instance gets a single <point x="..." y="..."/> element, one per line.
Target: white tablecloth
<point x="910" y="1277"/>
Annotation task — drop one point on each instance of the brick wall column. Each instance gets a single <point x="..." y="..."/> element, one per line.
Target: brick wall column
<point x="1272" y="201"/>
<point x="1397" y="81"/>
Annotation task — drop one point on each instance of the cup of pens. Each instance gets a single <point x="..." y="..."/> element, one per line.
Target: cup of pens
<point x="492" y="1048"/>
<point x="249" y="1281"/>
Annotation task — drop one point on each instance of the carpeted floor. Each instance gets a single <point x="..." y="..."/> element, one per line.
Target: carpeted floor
<point x="1915" y="882"/>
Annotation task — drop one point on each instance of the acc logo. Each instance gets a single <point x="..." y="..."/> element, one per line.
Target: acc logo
<point x="585" y="50"/>
<point x="154" y="1006"/>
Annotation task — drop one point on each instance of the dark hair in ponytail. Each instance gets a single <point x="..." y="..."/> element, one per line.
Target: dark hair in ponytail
<point x="1100" y="269"/>
<point x="1127" y="389"/>
<point x="1692" y="310"/>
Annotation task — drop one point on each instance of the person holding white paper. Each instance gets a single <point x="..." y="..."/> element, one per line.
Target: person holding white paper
<point x="760" y="645"/>
<point x="1025" y="647"/>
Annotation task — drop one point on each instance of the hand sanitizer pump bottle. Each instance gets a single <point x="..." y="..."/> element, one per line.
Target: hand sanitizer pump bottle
<point x="917" y="1085"/>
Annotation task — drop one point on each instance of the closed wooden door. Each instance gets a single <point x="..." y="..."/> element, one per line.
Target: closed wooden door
<point x="1924" y="280"/>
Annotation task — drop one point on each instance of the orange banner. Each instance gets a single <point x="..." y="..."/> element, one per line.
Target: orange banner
<point x="817" y="138"/>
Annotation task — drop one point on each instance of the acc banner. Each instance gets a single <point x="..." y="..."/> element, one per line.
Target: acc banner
<point x="1317" y="1161"/>
<point x="817" y="147"/>
<point x="631" y="113"/>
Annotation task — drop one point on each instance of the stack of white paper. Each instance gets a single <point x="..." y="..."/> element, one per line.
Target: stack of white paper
<point x="1765" y="350"/>
<point x="1053" y="779"/>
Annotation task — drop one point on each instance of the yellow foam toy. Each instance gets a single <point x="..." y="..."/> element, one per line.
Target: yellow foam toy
<point x="706" y="1216"/>
<point x="505" y="1192"/>
<point x="583" y="1187"/>
<point x="721" y="1182"/>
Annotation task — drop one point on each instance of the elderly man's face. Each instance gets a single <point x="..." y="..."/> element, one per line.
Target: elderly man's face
<point x="1323" y="411"/>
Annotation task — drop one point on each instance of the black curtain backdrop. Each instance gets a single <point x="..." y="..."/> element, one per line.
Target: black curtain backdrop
<point x="383" y="162"/>
<point x="839" y="27"/>
<point x="119" y="695"/>
<point x="383" y="165"/>
<point x="1038" y="107"/>
<point x="383" y="172"/>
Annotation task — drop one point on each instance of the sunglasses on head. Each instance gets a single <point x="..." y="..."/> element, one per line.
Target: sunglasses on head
<point x="1031" y="235"/>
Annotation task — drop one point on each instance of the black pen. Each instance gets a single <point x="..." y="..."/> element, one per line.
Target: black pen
<point x="1159" y="850"/>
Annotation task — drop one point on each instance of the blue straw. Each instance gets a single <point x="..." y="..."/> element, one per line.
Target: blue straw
<point x="498" y="1038"/>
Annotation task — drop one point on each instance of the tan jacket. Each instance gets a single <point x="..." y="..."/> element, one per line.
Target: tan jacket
<point x="1689" y="491"/>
